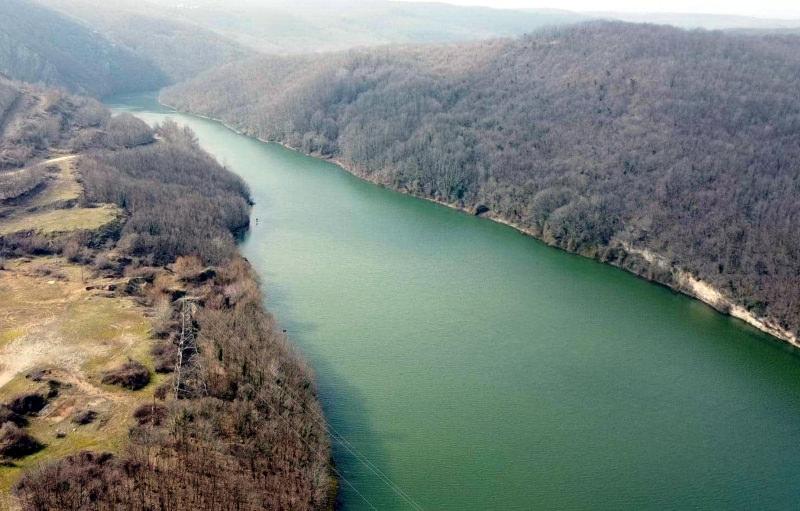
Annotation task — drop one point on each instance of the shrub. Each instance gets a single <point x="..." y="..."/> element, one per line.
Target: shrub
<point x="74" y="252"/>
<point x="8" y="415"/>
<point x="131" y="375"/>
<point x="28" y="404"/>
<point x="15" y="443"/>
<point x="151" y="414"/>
<point x="103" y="262"/>
<point x="78" y="481"/>
<point x="166" y="356"/>
<point x="84" y="417"/>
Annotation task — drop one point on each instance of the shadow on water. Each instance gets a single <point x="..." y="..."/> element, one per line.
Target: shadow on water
<point x="482" y="370"/>
<point x="360" y="457"/>
<point x="362" y="466"/>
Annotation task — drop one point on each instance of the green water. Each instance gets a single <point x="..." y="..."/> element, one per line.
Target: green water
<point x="479" y="369"/>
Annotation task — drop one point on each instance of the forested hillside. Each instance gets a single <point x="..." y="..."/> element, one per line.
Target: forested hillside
<point x="652" y="148"/>
<point x="179" y="49"/>
<point x="42" y="46"/>
<point x="282" y="26"/>
<point x="323" y="25"/>
<point x="138" y="368"/>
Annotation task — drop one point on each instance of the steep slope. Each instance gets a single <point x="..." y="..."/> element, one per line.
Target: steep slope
<point x="40" y="45"/>
<point x="179" y="49"/>
<point x="136" y="358"/>
<point x="673" y="154"/>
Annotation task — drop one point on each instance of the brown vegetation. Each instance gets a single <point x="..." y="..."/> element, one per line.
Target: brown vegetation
<point x="245" y="433"/>
<point x="151" y="414"/>
<point x="27" y="404"/>
<point x="16" y="443"/>
<point x="18" y="183"/>
<point x="131" y="375"/>
<point x="84" y="417"/>
<point x="594" y="138"/>
<point x="8" y="415"/>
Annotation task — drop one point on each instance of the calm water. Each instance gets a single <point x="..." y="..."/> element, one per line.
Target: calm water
<point x="479" y="369"/>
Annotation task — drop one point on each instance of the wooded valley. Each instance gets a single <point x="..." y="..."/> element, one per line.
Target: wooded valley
<point x="606" y="139"/>
<point x="138" y="366"/>
<point x="229" y="422"/>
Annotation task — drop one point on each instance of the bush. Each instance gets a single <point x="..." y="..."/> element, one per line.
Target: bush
<point x="131" y="375"/>
<point x="78" y="481"/>
<point x="151" y="414"/>
<point x="74" y="251"/>
<point x="28" y="404"/>
<point x="84" y="417"/>
<point x="15" y="443"/>
<point x="8" y="415"/>
<point x="166" y="356"/>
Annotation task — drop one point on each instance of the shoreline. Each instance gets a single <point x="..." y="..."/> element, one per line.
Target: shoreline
<point x="684" y="282"/>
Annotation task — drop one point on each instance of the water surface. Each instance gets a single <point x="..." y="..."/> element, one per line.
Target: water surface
<point x="479" y="369"/>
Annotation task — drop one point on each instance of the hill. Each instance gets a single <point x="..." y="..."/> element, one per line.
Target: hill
<point x="281" y="26"/>
<point x="40" y="45"/>
<point x="179" y="49"/>
<point x="708" y="21"/>
<point x="138" y="368"/>
<point x="672" y="154"/>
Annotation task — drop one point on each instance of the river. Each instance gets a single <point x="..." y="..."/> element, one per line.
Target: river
<point x="475" y="368"/>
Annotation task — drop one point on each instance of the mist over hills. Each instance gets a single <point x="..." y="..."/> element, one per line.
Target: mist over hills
<point x="315" y="25"/>
<point x="179" y="49"/>
<point x="706" y="21"/>
<point x="307" y="26"/>
<point x="40" y="45"/>
<point x="101" y="47"/>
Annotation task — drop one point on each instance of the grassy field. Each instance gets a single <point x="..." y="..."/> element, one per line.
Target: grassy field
<point x="63" y="187"/>
<point x="49" y="321"/>
<point x="51" y="209"/>
<point x="61" y="220"/>
<point x="59" y="321"/>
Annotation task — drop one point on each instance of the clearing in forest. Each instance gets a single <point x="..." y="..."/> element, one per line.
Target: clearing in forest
<point x="49" y="207"/>
<point x="59" y="325"/>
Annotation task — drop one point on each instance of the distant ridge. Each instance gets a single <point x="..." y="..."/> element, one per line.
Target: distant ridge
<point x="40" y="45"/>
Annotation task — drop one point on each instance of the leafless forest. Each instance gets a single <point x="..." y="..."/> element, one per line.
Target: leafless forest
<point x="246" y="431"/>
<point x="595" y="137"/>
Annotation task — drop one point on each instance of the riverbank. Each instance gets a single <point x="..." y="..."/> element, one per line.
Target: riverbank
<point x="680" y="280"/>
<point x="446" y="348"/>
<point x="139" y="357"/>
<point x="641" y="263"/>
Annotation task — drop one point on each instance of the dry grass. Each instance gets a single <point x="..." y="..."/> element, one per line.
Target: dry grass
<point x="61" y="220"/>
<point x="55" y="323"/>
<point x="40" y="213"/>
<point x="63" y="188"/>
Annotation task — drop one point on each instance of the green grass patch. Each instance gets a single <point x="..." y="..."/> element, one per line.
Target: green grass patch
<point x="61" y="220"/>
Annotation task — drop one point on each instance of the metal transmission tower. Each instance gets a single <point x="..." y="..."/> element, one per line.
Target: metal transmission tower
<point x="188" y="369"/>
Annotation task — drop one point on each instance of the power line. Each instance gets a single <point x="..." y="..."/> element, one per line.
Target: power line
<point x="321" y="421"/>
<point x="188" y="368"/>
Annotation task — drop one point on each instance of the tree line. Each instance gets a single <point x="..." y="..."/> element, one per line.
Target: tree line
<point x="249" y="434"/>
<point x="595" y="137"/>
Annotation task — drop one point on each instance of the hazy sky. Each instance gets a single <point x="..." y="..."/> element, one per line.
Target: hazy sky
<point x="762" y="8"/>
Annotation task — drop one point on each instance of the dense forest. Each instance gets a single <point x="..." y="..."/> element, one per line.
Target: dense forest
<point x="245" y="432"/>
<point x="35" y="121"/>
<point x="607" y="139"/>
<point x="40" y="45"/>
